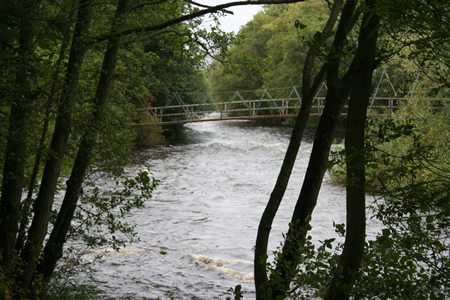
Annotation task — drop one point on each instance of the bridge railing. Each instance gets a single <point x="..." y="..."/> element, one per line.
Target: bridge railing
<point x="388" y="106"/>
<point x="264" y="108"/>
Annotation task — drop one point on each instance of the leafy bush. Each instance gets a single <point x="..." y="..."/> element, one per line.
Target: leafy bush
<point x="414" y="131"/>
<point x="409" y="259"/>
<point x="317" y="262"/>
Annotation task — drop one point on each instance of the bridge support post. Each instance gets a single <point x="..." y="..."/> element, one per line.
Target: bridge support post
<point x="161" y="115"/>
<point x="391" y="104"/>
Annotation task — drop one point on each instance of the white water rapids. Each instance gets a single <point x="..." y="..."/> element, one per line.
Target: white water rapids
<point x="198" y="231"/>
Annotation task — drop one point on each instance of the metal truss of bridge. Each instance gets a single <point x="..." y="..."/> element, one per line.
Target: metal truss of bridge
<point x="255" y="104"/>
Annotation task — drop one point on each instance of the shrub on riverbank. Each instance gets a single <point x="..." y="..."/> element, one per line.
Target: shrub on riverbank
<point x="147" y="136"/>
<point x="407" y="139"/>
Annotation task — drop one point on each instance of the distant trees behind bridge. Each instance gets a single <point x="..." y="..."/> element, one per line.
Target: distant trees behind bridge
<point x="270" y="52"/>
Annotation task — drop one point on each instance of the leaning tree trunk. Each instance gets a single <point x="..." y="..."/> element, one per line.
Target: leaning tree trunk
<point x="338" y="91"/>
<point x="309" y="89"/>
<point x="27" y="202"/>
<point x="44" y="201"/>
<point x="15" y="155"/>
<point x="54" y="247"/>
<point x="355" y="157"/>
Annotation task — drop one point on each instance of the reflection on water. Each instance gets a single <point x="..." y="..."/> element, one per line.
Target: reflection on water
<point x="198" y="231"/>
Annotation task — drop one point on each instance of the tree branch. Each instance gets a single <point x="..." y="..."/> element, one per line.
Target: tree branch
<point x="207" y="6"/>
<point x="151" y="35"/>
<point x="186" y="18"/>
<point x="380" y="59"/>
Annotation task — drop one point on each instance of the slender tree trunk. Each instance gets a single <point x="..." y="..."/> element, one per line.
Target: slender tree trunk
<point x="15" y="155"/>
<point x="309" y="89"/>
<point x="44" y="201"/>
<point x="26" y="204"/>
<point x="338" y="91"/>
<point x="354" y="148"/>
<point x="54" y="247"/>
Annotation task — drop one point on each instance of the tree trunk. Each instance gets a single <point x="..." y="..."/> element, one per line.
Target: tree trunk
<point x="309" y="89"/>
<point x="44" y="201"/>
<point x="26" y="204"/>
<point x="338" y="91"/>
<point x="15" y="155"/>
<point x="354" y="148"/>
<point x="54" y="247"/>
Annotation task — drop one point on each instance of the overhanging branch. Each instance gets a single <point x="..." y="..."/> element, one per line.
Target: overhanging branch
<point x="151" y="35"/>
<point x="207" y="6"/>
<point x="187" y="17"/>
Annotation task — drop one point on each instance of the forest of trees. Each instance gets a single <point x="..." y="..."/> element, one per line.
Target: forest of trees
<point x="74" y="72"/>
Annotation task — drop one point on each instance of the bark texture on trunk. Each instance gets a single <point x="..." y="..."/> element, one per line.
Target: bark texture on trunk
<point x="27" y="203"/>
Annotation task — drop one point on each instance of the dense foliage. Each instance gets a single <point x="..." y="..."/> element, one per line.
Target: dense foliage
<point x="271" y="51"/>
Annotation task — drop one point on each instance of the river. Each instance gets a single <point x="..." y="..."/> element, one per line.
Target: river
<point x="198" y="230"/>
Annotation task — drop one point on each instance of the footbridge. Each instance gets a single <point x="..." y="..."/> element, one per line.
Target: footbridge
<point x="255" y="104"/>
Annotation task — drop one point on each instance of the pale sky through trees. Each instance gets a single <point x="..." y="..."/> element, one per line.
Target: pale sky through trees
<point x="242" y="14"/>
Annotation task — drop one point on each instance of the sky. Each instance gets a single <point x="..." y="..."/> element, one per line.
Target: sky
<point x="242" y="14"/>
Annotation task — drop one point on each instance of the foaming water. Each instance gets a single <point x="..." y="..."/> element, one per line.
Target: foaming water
<point x="198" y="231"/>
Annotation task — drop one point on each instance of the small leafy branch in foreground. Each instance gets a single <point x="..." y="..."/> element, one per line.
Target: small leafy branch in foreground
<point x="98" y="223"/>
<point x="99" y="218"/>
<point x="318" y="260"/>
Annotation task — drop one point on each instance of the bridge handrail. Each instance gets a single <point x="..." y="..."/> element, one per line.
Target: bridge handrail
<point x="224" y="103"/>
<point x="285" y="109"/>
<point x="279" y="99"/>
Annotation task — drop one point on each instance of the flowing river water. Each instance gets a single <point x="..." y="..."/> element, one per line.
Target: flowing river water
<point x="198" y="230"/>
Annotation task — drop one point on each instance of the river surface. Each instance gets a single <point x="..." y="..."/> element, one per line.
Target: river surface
<point x="198" y="230"/>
